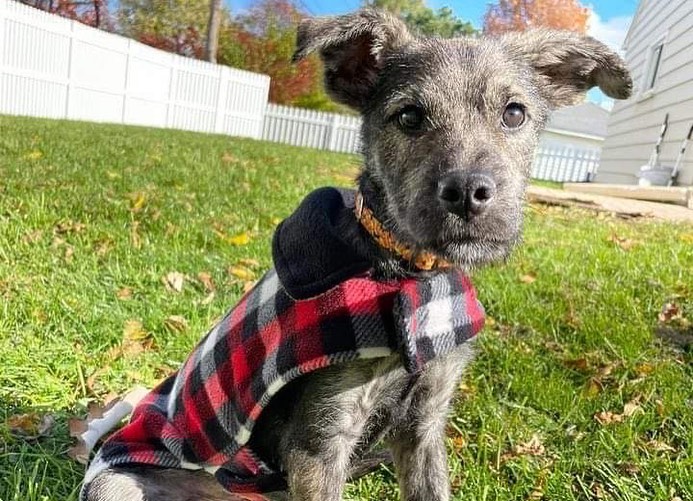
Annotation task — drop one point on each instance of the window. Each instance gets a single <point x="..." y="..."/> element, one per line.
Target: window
<point x="653" y="66"/>
<point x="653" y="69"/>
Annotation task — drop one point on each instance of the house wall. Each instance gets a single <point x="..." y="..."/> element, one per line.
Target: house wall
<point x="634" y="124"/>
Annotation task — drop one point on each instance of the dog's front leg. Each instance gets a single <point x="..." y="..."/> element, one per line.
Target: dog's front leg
<point x="327" y="428"/>
<point x="320" y="476"/>
<point x="418" y="446"/>
<point x="421" y="464"/>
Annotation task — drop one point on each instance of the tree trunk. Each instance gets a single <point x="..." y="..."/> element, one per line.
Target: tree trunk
<point x="213" y="30"/>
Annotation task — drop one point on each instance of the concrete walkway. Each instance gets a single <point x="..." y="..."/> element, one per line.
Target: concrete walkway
<point x="620" y="206"/>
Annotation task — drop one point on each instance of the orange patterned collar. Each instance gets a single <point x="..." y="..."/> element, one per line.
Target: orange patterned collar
<point x="423" y="260"/>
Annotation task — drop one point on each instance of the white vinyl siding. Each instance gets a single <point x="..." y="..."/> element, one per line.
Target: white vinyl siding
<point x="660" y="88"/>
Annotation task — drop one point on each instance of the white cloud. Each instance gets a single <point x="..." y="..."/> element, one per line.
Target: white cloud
<point x="611" y="31"/>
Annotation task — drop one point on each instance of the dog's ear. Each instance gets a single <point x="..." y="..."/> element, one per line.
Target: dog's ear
<point x="352" y="47"/>
<point x="569" y="64"/>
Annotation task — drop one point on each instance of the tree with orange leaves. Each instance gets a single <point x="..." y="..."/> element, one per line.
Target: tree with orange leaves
<point x="519" y="15"/>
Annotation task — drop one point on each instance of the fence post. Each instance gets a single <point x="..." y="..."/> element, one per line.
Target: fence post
<point x="171" y="85"/>
<point x="2" y="35"/>
<point x="333" y="130"/>
<point x="70" y="66"/>
<point x="222" y="92"/>
<point x="123" y="114"/>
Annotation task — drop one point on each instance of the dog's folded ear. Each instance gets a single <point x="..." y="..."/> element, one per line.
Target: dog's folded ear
<point x="570" y="64"/>
<point x="352" y="47"/>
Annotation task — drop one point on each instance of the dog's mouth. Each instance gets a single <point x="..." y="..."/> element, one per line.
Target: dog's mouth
<point x="468" y="244"/>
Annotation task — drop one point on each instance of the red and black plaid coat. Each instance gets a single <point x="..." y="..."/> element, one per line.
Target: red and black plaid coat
<point x="203" y="416"/>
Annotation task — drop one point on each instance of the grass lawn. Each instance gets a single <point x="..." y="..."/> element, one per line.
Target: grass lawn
<point x="574" y="396"/>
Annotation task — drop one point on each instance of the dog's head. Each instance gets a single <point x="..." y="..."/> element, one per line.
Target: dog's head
<point x="450" y="126"/>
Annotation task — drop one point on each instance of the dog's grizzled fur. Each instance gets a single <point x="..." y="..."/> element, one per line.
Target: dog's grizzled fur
<point x="449" y="131"/>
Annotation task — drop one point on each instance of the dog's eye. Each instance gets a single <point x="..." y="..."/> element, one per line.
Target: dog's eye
<point x="514" y="116"/>
<point x="410" y="118"/>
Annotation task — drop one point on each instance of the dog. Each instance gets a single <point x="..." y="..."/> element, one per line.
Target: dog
<point x="449" y="131"/>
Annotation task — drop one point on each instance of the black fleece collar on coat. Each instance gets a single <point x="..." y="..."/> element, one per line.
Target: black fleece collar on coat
<point x="314" y="248"/>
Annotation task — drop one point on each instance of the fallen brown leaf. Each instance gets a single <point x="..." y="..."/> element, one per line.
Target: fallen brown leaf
<point x="659" y="446"/>
<point x="533" y="447"/>
<point x="124" y="293"/>
<point x="173" y="281"/>
<point x="631" y="408"/>
<point x="607" y="417"/>
<point x="644" y="369"/>
<point x="625" y="244"/>
<point x="69" y="254"/>
<point x="241" y="272"/>
<point x="578" y="364"/>
<point x="32" y="237"/>
<point x="598" y="491"/>
<point x="249" y="262"/>
<point x="206" y="281"/>
<point x="30" y="426"/>
<point x="670" y="312"/>
<point x="528" y="279"/>
<point x="176" y="323"/>
<point x="69" y="226"/>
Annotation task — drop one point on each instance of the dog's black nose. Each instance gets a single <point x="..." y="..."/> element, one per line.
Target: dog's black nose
<point x="466" y="194"/>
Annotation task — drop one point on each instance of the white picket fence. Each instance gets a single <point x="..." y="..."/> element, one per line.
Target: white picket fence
<point x="563" y="162"/>
<point x="56" y="68"/>
<point x="314" y="129"/>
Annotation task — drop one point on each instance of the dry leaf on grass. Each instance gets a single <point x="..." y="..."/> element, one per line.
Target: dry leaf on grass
<point x="598" y="490"/>
<point x="605" y="418"/>
<point x="249" y="262"/>
<point x="30" y="426"/>
<point x="135" y="340"/>
<point x="176" y="323"/>
<point x="644" y="369"/>
<point x="32" y="237"/>
<point x="69" y="226"/>
<point x="631" y="408"/>
<point x="670" y="312"/>
<point x="240" y="239"/>
<point x="577" y="364"/>
<point x="124" y="293"/>
<point x="173" y="281"/>
<point x="241" y="272"/>
<point x="247" y="286"/>
<point x="137" y="201"/>
<point x="206" y="281"/>
<point x="533" y="447"/>
<point x="625" y="244"/>
<point x="659" y="446"/>
<point x="528" y="278"/>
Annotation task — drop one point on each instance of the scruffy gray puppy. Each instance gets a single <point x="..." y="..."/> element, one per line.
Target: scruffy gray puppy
<point x="449" y="132"/>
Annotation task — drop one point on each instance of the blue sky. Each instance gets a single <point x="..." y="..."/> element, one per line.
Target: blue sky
<point x="467" y="9"/>
<point x="608" y="21"/>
